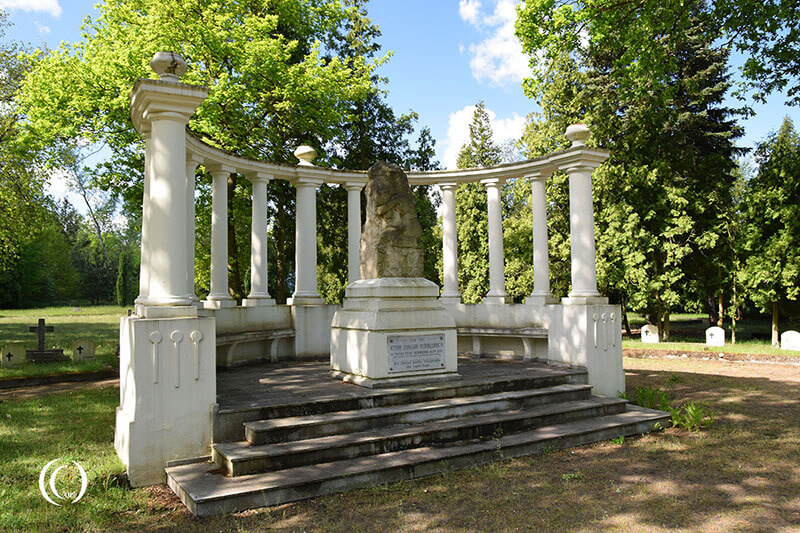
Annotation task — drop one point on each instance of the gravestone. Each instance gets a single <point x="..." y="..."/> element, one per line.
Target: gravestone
<point x="790" y="340"/>
<point x="40" y="354"/>
<point x="650" y="334"/>
<point x="13" y="355"/>
<point x="392" y="329"/>
<point x="83" y="350"/>
<point x="715" y="336"/>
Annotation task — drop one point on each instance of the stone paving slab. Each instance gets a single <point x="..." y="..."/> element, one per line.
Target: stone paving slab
<point x="288" y="382"/>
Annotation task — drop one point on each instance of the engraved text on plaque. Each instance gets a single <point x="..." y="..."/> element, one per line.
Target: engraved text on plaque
<point x="411" y="353"/>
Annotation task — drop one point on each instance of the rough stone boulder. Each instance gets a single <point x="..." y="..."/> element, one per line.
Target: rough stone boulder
<point x="390" y="239"/>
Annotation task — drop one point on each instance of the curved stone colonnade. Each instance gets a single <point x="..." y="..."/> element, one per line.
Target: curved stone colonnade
<point x="168" y="349"/>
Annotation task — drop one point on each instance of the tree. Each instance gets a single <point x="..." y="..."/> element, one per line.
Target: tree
<point x="659" y="200"/>
<point x="646" y="31"/>
<point x="472" y="223"/>
<point x="273" y="88"/>
<point x="772" y="224"/>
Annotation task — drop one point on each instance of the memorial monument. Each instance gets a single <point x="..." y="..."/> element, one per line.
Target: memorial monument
<point x="392" y="329"/>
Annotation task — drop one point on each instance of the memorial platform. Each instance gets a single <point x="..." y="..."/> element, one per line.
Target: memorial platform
<point x="289" y="431"/>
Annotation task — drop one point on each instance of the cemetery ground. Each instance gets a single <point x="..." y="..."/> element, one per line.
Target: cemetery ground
<point x="99" y="323"/>
<point x="742" y="472"/>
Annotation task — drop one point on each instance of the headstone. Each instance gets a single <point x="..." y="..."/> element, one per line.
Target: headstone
<point x="40" y="354"/>
<point x="390" y="243"/>
<point x="650" y="334"/>
<point x="13" y="355"/>
<point x="83" y="350"/>
<point x="715" y="336"/>
<point x="790" y="340"/>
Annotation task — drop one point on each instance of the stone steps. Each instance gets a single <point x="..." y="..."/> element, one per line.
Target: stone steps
<point x="240" y="458"/>
<point x="205" y="490"/>
<point x="312" y="426"/>
<point x="229" y="423"/>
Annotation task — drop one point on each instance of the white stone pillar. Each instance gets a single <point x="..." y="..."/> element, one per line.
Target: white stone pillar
<point x="581" y="222"/>
<point x="259" y="294"/>
<point x="144" y="261"/>
<point x="353" y="230"/>
<point x="450" y="292"/>
<point x="541" y="257"/>
<point x="497" y="279"/>
<point x="218" y="296"/>
<point x="305" y="292"/>
<point x="192" y="162"/>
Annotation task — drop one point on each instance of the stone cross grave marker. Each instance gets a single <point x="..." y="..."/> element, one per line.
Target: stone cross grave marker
<point x="83" y="350"/>
<point x="790" y="340"/>
<point x="650" y="334"/>
<point x="715" y="336"/>
<point x="13" y="355"/>
<point x="40" y="354"/>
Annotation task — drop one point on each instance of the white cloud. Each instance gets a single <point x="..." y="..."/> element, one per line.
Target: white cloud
<point x="468" y="10"/>
<point x="498" y="58"/>
<point x="43" y="30"/>
<point x="458" y="131"/>
<point x="47" y="6"/>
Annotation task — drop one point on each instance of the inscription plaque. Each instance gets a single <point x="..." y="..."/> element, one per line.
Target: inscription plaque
<point x="411" y="353"/>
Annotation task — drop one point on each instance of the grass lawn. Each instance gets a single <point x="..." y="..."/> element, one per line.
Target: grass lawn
<point x="741" y="474"/>
<point x="99" y="323"/>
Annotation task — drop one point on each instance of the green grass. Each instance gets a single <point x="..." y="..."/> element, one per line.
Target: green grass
<point x="748" y="347"/>
<point x="99" y="323"/>
<point x="739" y="474"/>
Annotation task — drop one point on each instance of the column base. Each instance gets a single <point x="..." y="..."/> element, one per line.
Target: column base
<point x="584" y="300"/>
<point x="258" y="302"/>
<point x="315" y="299"/>
<point x="497" y="299"/>
<point x="542" y="298"/>
<point x="450" y="299"/>
<point x="165" y="311"/>
<point x="213" y="303"/>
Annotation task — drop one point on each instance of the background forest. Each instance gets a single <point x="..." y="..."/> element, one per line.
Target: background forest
<point x="685" y="220"/>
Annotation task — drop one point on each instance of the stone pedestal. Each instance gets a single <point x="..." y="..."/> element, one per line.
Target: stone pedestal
<point x="393" y="332"/>
<point x="167" y="392"/>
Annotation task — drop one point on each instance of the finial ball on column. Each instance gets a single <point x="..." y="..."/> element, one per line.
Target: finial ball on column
<point x="169" y="66"/>
<point x="306" y="155"/>
<point x="577" y="134"/>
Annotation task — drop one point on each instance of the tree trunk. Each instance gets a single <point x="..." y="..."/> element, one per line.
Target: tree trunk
<point x="666" y="325"/>
<point x="235" y="274"/>
<point x="733" y="314"/>
<point x="625" y="318"/>
<point x="710" y="306"/>
<point x="721" y="310"/>
<point x="775" y="341"/>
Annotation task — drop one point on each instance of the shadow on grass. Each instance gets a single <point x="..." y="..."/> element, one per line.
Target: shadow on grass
<point x="742" y="473"/>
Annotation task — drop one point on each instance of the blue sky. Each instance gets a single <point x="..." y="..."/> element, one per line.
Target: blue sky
<point x="447" y="55"/>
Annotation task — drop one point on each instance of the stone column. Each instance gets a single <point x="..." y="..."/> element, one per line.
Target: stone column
<point x="581" y="223"/>
<point x="219" y="297"/>
<point x="305" y="292"/>
<point x="450" y="292"/>
<point x="353" y="230"/>
<point x="259" y="295"/>
<point x="192" y="162"/>
<point x="497" y="282"/>
<point x="144" y="263"/>
<point x="541" y="257"/>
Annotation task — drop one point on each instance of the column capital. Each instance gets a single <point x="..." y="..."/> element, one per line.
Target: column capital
<point x="448" y="186"/>
<point x="256" y="176"/>
<point x="220" y="168"/>
<point x="493" y="182"/>
<point x="354" y="185"/>
<point x="303" y="181"/>
<point x="539" y="175"/>
<point x="194" y="159"/>
<point x="579" y="165"/>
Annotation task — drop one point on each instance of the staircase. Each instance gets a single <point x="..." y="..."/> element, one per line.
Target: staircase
<point x="305" y="449"/>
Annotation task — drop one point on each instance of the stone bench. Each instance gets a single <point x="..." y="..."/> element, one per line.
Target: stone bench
<point x="227" y="343"/>
<point x="527" y="335"/>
